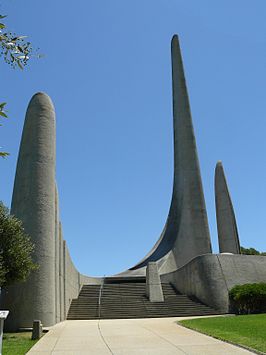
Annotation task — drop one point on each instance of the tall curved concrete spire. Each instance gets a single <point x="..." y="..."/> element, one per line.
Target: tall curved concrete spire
<point x="226" y="221"/>
<point x="33" y="202"/>
<point x="186" y="232"/>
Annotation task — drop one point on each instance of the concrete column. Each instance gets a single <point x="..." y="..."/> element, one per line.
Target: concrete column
<point x="61" y="273"/>
<point x="65" y="278"/>
<point x="36" y="330"/>
<point x="226" y="221"/>
<point x="33" y="202"/>
<point x="154" y="289"/>
<point x="57" y="257"/>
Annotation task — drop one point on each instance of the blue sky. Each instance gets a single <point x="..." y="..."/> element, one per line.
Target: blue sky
<point x="107" y="69"/>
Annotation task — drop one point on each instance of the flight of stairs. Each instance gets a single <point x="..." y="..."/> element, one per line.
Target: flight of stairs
<point x="86" y="305"/>
<point x="122" y="298"/>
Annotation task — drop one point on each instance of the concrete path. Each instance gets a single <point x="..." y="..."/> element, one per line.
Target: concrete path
<point x="153" y="336"/>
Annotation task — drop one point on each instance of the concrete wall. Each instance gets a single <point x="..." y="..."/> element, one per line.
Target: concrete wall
<point x="209" y="277"/>
<point x="71" y="280"/>
<point x="19" y="303"/>
<point x="57" y="258"/>
<point x="61" y="273"/>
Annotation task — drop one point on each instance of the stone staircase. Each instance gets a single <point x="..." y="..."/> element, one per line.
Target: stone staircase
<point x="86" y="305"/>
<point x="125" y="298"/>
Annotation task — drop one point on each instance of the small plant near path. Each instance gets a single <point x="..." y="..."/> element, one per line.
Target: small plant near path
<point x="245" y="330"/>
<point x="17" y="343"/>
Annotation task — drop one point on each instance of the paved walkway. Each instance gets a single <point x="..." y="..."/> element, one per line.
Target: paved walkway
<point x="153" y="336"/>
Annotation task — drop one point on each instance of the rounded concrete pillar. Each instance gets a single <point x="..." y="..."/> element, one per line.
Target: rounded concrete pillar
<point x="33" y="202"/>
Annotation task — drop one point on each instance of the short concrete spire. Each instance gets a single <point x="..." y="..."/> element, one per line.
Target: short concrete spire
<point x="33" y="202"/>
<point x="226" y="221"/>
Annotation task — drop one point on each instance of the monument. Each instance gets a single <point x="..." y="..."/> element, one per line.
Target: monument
<point x="183" y="253"/>
<point x="226" y="221"/>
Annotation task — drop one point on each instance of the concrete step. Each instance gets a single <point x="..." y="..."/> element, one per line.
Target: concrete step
<point x="126" y="298"/>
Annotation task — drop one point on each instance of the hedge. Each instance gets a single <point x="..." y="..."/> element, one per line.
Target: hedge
<point x="248" y="298"/>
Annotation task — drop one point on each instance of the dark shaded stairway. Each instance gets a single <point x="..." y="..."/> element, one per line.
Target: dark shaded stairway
<point x="122" y="298"/>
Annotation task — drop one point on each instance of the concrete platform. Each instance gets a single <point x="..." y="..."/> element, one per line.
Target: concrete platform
<point x="153" y="336"/>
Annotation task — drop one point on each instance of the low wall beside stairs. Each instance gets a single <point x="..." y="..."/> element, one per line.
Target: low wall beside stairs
<point x="209" y="277"/>
<point x="19" y="302"/>
<point x="73" y="281"/>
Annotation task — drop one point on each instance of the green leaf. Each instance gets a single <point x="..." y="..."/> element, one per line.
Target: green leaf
<point x="3" y="114"/>
<point x="20" y="65"/>
<point x="4" y="154"/>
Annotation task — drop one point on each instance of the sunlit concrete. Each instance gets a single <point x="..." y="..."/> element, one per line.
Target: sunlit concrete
<point x="151" y="336"/>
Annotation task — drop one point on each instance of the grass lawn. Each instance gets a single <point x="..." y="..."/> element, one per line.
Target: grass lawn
<point x="17" y="343"/>
<point x="247" y="330"/>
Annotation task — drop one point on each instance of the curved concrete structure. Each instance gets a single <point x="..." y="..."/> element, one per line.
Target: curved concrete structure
<point x="186" y="233"/>
<point x="210" y="277"/>
<point x="226" y="221"/>
<point x="182" y="253"/>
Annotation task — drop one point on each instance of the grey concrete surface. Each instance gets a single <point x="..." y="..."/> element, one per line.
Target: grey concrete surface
<point x="33" y="203"/>
<point x="154" y="289"/>
<point x="210" y="277"/>
<point x="61" y="274"/>
<point x="71" y="281"/>
<point x="225" y="215"/>
<point x="36" y="330"/>
<point x="47" y="293"/>
<point x="186" y="232"/>
<point x="241" y="269"/>
<point x="57" y="257"/>
<point x="129" y="337"/>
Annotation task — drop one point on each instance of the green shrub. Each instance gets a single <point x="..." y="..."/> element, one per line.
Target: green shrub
<point x="16" y="250"/>
<point x="248" y="298"/>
